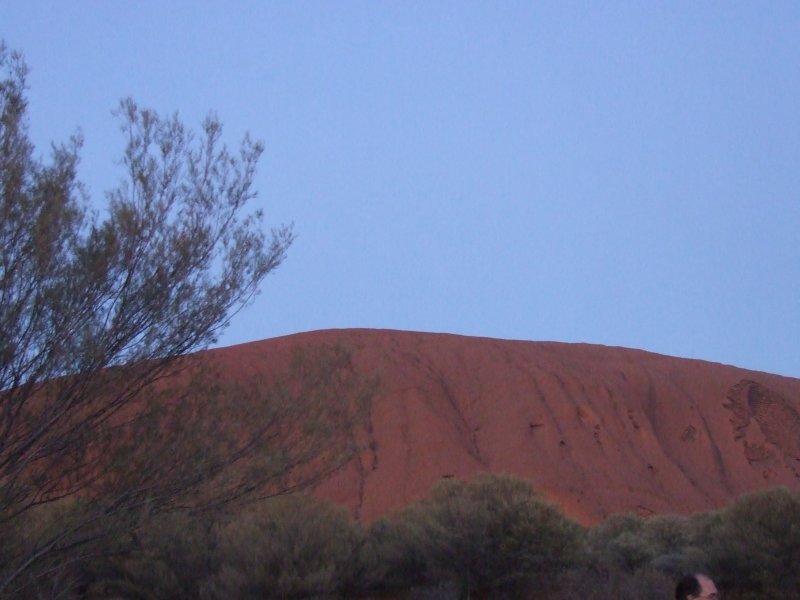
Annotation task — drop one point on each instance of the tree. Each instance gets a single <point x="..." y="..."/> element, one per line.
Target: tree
<point x="621" y="542"/>
<point x="493" y="536"/>
<point x="98" y="313"/>
<point x="289" y="547"/>
<point x="755" y="548"/>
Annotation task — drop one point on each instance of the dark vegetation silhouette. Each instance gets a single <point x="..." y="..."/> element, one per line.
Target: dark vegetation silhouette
<point x="487" y="538"/>
<point x="491" y="538"/>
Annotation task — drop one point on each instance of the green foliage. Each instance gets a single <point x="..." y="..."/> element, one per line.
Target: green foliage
<point x="391" y="557"/>
<point x="619" y="543"/>
<point x="287" y="547"/>
<point x="162" y="558"/>
<point x="751" y="548"/>
<point x="756" y="545"/>
<point x="628" y="543"/>
<point x="492" y="536"/>
<point x="54" y="576"/>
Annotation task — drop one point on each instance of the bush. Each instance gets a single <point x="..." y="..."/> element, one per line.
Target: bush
<point x="619" y="543"/>
<point x="391" y="559"/>
<point x="166" y="556"/>
<point x="50" y="576"/>
<point x="756" y="549"/>
<point x="288" y="547"/>
<point x="492" y="537"/>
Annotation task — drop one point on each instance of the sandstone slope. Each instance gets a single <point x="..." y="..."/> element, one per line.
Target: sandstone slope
<point x="595" y="429"/>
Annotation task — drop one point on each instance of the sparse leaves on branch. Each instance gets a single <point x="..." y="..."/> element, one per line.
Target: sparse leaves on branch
<point x="97" y="305"/>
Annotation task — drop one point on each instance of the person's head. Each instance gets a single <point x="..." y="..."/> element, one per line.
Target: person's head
<point x="697" y="586"/>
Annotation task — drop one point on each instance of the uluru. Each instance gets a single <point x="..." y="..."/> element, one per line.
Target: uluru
<point x="597" y="430"/>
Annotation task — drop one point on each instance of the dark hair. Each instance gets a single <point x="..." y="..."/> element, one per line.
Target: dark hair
<point x="687" y="586"/>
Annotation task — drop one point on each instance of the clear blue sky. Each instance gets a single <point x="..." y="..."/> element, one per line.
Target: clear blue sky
<point x="620" y="173"/>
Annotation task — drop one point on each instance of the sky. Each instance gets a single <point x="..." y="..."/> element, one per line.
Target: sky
<point x="617" y="173"/>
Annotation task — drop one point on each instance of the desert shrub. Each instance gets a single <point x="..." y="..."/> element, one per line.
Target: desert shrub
<point x="620" y="543"/>
<point x="492" y="537"/>
<point x="690" y="559"/>
<point x="677" y="545"/>
<point x="164" y="556"/>
<point x="630" y="557"/>
<point x="628" y="544"/>
<point x="51" y="575"/>
<point x="666" y="533"/>
<point x="390" y="556"/>
<point x="286" y="547"/>
<point x="751" y="548"/>
<point x="289" y="547"/>
<point x="755" y="550"/>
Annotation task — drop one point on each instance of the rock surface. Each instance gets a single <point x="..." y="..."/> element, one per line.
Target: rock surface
<point x="597" y="430"/>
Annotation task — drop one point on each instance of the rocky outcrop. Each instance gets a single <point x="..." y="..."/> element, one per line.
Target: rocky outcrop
<point x="595" y="429"/>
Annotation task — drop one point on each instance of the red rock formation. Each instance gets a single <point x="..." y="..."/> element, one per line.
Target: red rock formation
<point x="595" y="429"/>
